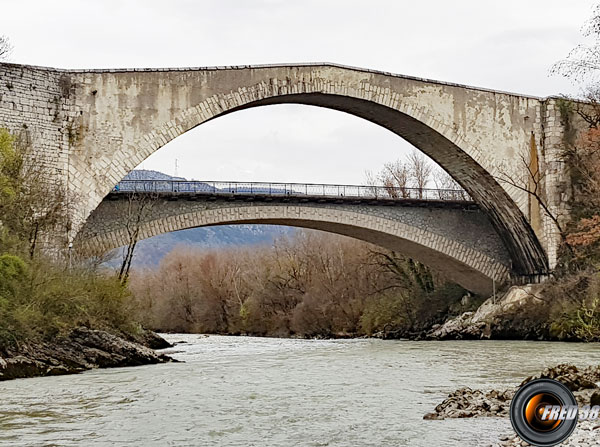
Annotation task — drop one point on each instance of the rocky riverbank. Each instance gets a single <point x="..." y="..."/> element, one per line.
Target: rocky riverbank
<point x="81" y="350"/>
<point x="584" y="383"/>
<point x="513" y="315"/>
<point x="587" y="433"/>
<point x="520" y="313"/>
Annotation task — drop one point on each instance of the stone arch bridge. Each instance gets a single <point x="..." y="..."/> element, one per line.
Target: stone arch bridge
<point x="89" y="128"/>
<point x="443" y="229"/>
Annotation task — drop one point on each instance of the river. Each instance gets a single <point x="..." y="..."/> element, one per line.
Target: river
<point x="244" y="391"/>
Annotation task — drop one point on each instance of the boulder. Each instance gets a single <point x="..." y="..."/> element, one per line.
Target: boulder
<point x="465" y="402"/>
<point x="572" y="377"/>
<point x="80" y="350"/>
<point x="494" y="318"/>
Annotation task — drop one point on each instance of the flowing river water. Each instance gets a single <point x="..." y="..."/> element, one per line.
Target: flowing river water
<point x="243" y="391"/>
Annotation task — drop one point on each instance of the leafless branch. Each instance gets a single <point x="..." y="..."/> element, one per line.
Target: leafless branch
<point x="5" y="48"/>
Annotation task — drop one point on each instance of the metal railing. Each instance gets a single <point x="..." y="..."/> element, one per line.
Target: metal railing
<point x="306" y="190"/>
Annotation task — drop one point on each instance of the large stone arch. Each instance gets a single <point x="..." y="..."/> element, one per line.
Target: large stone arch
<point x="109" y="121"/>
<point x="457" y="242"/>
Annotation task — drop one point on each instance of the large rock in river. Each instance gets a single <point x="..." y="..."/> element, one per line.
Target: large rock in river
<point x="81" y="350"/>
<point x="511" y="316"/>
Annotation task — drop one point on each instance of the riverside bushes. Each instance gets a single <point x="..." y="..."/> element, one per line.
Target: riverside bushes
<point x="310" y="285"/>
<point x="39" y="300"/>
<point x="575" y="306"/>
<point x="41" y="296"/>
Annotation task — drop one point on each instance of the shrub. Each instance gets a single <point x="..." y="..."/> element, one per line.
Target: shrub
<point x="311" y="285"/>
<point x="575" y="306"/>
<point x="39" y="297"/>
<point x="42" y="301"/>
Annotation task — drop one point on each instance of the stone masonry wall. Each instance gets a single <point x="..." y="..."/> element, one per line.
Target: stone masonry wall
<point x="563" y="126"/>
<point x="36" y="106"/>
<point x="460" y="242"/>
<point x="90" y="127"/>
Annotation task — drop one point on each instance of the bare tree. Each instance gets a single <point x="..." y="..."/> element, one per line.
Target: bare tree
<point x="5" y="48"/>
<point x="310" y="284"/>
<point x="372" y="181"/>
<point x="395" y="177"/>
<point x="421" y="168"/>
<point x="448" y="188"/>
<point x="400" y="178"/>
<point x="531" y="183"/>
<point x="582" y="64"/>
<point x="139" y="206"/>
<point x="91" y="258"/>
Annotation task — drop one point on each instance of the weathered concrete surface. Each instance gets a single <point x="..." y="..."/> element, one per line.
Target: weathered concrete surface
<point x="460" y="243"/>
<point x="91" y="127"/>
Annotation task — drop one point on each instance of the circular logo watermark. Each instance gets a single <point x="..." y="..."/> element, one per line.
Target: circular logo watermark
<point x="544" y="412"/>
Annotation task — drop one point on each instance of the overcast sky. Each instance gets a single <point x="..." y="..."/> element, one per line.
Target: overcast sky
<point x="505" y="45"/>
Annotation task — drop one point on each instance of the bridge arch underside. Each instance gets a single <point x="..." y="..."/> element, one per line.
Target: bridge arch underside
<point x="527" y="255"/>
<point x="460" y="244"/>
<point x="472" y="133"/>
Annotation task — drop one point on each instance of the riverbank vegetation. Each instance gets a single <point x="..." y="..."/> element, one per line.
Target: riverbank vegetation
<point x="41" y="294"/>
<point x="575" y="289"/>
<point x="311" y="284"/>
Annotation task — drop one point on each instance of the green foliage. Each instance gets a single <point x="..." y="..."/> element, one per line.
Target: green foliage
<point x="42" y="300"/>
<point x="30" y="206"/>
<point x="582" y="323"/>
<point x="576" y="307"/>
<point x="388" y="312"/>
<point x="12" y="269"/>
<point x="10" y="165"/>
<point x="39" y="297"/>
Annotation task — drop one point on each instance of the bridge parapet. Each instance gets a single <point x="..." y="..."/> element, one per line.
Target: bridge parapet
<point x="306" y="191"/>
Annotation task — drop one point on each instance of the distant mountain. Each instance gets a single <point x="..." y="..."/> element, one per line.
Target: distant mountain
<point x="146" y="174"/>
<point x="149" y="252"/>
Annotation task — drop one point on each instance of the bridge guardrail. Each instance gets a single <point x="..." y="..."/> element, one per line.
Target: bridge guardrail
<point x="290" y="189"/>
